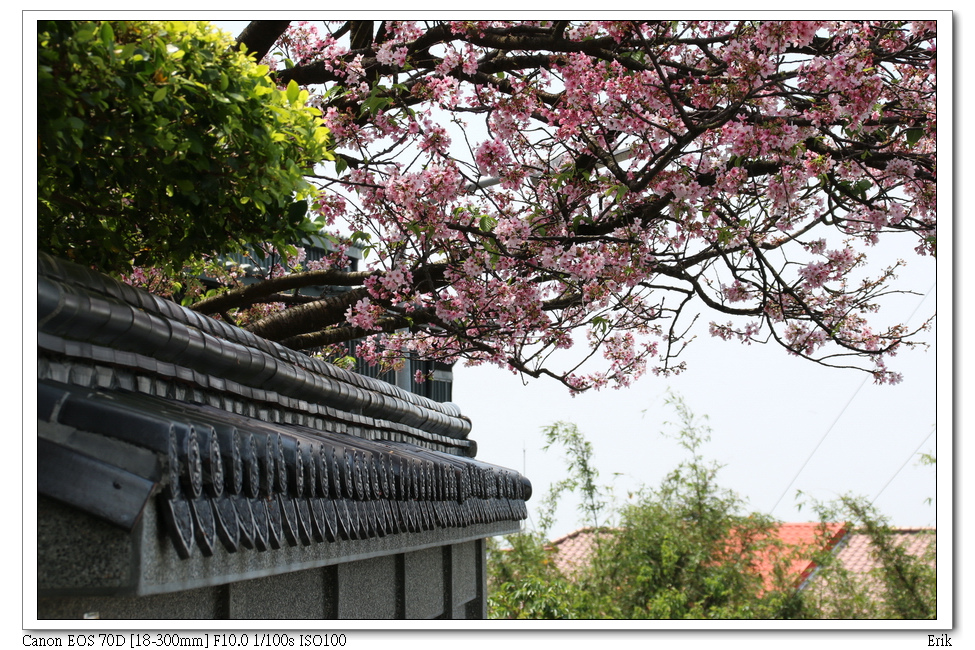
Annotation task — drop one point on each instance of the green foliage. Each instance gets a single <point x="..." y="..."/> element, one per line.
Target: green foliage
<point x="525" y="582"/>
<point x="531" y="598"/>
<point x="159" y="142"/>
<point x="685" y="550"/>
<point x="580" y="474"/>
<point x="665" y="563"/>
<point x="682" y="550"/>
<point x="902" y="586"/>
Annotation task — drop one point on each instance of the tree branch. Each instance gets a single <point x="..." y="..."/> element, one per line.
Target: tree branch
<point x="261" y="35"/>
<point x="248" y="295"/>
<point x="304" y="318"/>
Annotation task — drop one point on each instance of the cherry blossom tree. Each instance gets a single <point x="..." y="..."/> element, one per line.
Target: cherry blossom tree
<point x="526" y="188"/>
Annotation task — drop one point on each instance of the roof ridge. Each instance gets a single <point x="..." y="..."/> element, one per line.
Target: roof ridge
<point x="580" y="531"/>
<point x="90" y="317"/>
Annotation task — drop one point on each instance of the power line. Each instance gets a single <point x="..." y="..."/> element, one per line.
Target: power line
<point x="821" y="440"/>
<point x="903" y="466"/>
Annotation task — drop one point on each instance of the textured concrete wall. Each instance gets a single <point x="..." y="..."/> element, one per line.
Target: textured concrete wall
<point x="92" y="552"/>
<point x="369" y="588"/>
<point x="438" y="582"/>
<point x="424" y="575"/>
<point x="301" y="594"/>
<point x="193" y="604"/>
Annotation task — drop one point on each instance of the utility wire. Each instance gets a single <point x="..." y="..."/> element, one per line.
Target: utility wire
<point x="903" y="466"/>
<point x="821" y="440"/>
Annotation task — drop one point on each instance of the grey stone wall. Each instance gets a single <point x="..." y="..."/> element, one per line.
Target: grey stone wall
<point x="98" y="571"/>
<point x="407" y="585"/>
<point x="190" y="469"/>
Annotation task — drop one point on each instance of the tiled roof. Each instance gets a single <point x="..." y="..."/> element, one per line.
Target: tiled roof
<point x="853" y="551"/>
<point x="806" y="539"/>
<point x="573" y="550"/>
<point x="856" y="556"/>
<point x="95" y="331"/>
<point x="236" y="444"/>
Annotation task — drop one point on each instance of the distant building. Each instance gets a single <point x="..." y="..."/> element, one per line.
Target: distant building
<point x="856" y="554"/>
<point x="574" y="550"/>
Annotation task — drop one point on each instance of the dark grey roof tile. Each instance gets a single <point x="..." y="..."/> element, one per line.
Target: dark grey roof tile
<point x="253" y="446"/>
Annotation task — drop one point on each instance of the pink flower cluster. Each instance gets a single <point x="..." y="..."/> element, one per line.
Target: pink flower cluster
<point x="493" y="157"/>
<point x="365" y="314"/>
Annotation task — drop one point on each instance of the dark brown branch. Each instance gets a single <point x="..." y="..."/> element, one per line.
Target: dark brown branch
<point x="250" y="294"/>
<point x="304" y="318"/>
<point x="261" y="35"/>
<point x="325" y="337"/>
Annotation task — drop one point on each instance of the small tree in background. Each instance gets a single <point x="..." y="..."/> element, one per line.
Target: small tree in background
<point x="524" y="582"/>
<point x="688" y="549"/>
<point x="523" y="577"/>
<point x="580" y="475"/>
<point x="683" y="550"/>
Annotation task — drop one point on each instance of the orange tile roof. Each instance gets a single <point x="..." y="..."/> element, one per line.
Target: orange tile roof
<point x="572" y="551"/>
<point x="805" y="538"/>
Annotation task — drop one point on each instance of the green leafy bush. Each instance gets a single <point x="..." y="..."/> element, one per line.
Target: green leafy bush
<point x="159" y="142"/>
<point x="682" y="550"/>
<point x="688" y="549"/>
<point x="525" y="583"/>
